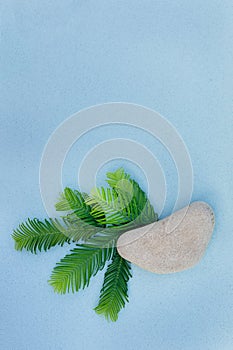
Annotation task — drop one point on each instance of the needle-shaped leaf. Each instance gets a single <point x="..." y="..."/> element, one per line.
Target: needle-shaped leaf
<point x="35" y="235"/>
<point x="75" y="270"/>
<point x="114" y="293"/>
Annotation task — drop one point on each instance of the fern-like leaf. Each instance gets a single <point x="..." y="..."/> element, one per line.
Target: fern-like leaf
<point x="134" y="200"/>
<point x="106" y="200"/>
<point x="75" y="201"/>
<point x="124" y="205"/>
<point x="114" y="293"/>
<point x="35" y="235"/>
<point x="75" y="270"/>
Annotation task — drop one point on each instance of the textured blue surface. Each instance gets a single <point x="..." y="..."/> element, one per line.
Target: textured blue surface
<point x="58" y="57"/>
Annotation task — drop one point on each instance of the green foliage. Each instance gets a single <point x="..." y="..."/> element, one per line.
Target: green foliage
<point x="94" y="222"/>
<point x="75" y="270"/>
<point x="125" y="202"/>
<point x="34" y="235"/>
<point x="107" y="201"/>
<point x="74" y="200"/>
<point x="136" y="204"/>
<point x="114" y="293"/>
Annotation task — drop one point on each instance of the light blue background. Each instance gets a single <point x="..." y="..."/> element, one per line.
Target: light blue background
<point x="58" y="57"/>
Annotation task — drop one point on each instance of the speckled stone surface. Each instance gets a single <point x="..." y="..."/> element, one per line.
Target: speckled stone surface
<point x="173" y="244"/>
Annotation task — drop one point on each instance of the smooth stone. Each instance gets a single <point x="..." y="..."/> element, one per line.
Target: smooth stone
<point x="173" y="244"/>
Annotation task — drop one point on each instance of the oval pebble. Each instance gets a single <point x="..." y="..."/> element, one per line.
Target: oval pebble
<point x="160" y="250"/>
